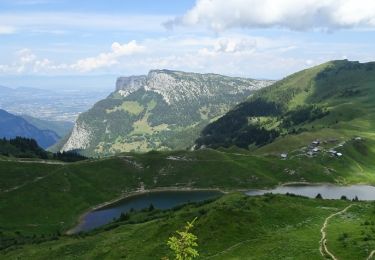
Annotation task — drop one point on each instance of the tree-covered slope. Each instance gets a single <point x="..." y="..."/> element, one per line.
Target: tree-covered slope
<point x="12" y="126"/>
<point x="333" y="100"/>
<point x="161" y="111"/>
<point x="21" y="147"/>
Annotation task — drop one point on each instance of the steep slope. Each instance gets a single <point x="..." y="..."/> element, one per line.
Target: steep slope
<point x="62" y="128"/>
<point x="12" y="126"/>
<point x="161" y="111"/>
<point x="334" y="100"/>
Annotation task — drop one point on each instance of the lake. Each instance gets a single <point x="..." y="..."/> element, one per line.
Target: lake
<point x="363" y="192"/>
<point x="170" y="199"/>
<point x="160" y="200"/>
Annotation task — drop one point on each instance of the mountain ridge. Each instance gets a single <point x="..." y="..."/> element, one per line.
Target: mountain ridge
<point x="162" y="110"/>
<point x="319" y="99"/>
<point x="12" y="126"/>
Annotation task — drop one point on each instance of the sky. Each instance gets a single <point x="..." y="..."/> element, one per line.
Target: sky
<point x="60" y="43"/>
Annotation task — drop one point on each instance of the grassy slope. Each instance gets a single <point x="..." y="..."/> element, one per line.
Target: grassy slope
<point x="345" y="89"/>
<point x="50" y="198"/>
<point x="350" y="115"/>
<point x="268" y="227"/>
<point x="54" y="202"/>
<point x="352" y="235"/>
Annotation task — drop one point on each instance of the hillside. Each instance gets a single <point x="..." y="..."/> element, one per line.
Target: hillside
<point x="61" y="128"/>
<point x="36" y="187"/>
<point x="289" y="225"/>
<point x="31" y="191"/>
<point x="332" y="101"/>
<point x="12" y="126"/>
<point x="20" y="147"/>
<point x="322" y="119"/>
<point x="164" y="110"/>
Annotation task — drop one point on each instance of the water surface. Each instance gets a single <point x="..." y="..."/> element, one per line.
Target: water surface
<point x="160" y="200"/>
<point x="363" y="192"/>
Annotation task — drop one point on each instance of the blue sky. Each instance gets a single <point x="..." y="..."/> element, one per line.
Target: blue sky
<point x="43" y="40"/>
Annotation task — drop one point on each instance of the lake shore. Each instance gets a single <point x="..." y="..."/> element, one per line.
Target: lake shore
<point x="131" y="194"/>
<point x="187" y="189"/>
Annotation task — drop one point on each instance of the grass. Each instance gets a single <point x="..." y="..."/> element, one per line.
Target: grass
<point x="131" y="107"/>
<point x="266" y="227"/>
<point x="43" y="200"/>
<point x="352" y="235"/>
<point x="49" y="198"/>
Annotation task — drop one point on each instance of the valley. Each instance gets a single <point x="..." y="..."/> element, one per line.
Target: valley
<point x="313" y="136"/>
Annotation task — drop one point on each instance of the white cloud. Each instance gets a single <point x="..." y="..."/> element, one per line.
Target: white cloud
<point x="28" y="62"/>
<point x="25" y="56"/>
<point x="229" y="54"/>
<point x="7" y="29"/>
<point x="109" y="58"/>
<point x="328" y="15"/>
<point x="230" y="45"/>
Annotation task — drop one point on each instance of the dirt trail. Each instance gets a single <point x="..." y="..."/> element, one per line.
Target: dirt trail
<point x="36" y="161"/>
<point x="371" y="255"/>
<point x="323" y="242"/>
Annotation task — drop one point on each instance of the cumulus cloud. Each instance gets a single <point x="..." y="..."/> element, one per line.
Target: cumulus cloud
<point x="109" y="58"/>
<point x="231" y="45"/>
<point x="327" y="15"/>
<point x="27" y="62"/>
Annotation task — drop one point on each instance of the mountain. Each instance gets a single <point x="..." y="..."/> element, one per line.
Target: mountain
<point x="163" y="110"/>
<point x="12" y="126"/>
<point x="61" y="128"/>
<point x="332" y="101"/>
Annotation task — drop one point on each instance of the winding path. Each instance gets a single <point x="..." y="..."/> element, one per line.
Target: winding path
<point x="323" y="241"/>
<point x="371" y="255"/>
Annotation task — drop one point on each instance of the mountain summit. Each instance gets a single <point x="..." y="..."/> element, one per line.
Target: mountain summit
<point x="163" y="110"/>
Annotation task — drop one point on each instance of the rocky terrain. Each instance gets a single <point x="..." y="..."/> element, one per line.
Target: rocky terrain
<point x="163" y="110"/>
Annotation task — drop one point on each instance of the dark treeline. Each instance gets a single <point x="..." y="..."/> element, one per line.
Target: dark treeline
<point x="71" y="156"/>
<point x="233" y="128"/>
<point x="303" y="114"/>
<point x="21" y="147"/>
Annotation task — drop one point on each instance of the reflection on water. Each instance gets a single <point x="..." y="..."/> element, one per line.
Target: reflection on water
<point x="160" y="200"/>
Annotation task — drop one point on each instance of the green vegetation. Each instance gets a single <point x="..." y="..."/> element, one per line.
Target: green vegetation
<point x="233" y="227"/>
<point x="332" y="100"/>
<point x="351" y="235"/>
<point x="131" y="107"/>
<point x="321" y="120"/>
<point x="21" y="147"/>
<point x="169" y="114"/>
<point x="36" y="188"/>
<point x="184" y="243"/>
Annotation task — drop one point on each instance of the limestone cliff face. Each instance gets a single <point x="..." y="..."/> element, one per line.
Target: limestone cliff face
<point x="79" y="138"/>
<point x="128" y="85"/>
<point x="163" y="110"/>
<point x="177" y="86"/>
